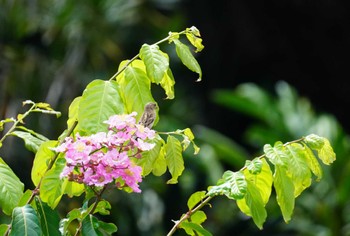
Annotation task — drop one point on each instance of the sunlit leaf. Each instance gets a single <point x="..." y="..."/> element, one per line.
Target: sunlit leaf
<point x="136" y="90"/>
<point x="313" y="163"/>
<point x="232" y="184"/>
<point x="284" y="187"/>
<point x="195" y="198"/>
<point x="298" y="168"/>
<point x="51" y="185"/>
<point x="156" y="62"/>
<point x="167" y="83"/>
<point x="99" y="101"/>
<point x="41" y="161"/>
<point x="73" y="112"/>
<point x="193" y="35"/>
<point x="174" y="159"/>
<point x="160" y="165"/>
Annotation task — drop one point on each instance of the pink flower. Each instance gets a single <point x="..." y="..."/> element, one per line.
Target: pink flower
<point x="101" y="158"/>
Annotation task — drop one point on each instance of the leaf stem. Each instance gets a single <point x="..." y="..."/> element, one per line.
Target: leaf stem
<point x="13" y="127"/>
<point x="188" y="215"/>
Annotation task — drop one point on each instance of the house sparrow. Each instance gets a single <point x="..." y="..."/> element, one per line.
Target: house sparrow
<point x="149" y="115"/>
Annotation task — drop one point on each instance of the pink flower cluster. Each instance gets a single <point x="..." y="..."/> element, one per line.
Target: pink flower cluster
<point x="102" y="158"/>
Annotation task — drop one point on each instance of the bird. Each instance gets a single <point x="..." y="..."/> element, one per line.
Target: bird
<point x="149" y="115"/>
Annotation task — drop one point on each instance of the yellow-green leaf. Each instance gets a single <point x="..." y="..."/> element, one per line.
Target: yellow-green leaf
<point x="174" y="159"/>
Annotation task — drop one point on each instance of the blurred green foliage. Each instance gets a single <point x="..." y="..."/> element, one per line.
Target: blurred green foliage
<point x="51" y="49"/>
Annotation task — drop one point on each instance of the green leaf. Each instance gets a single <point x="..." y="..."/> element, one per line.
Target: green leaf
<point x="136" y="90"/>
<point x="71" y="216"/>
<point x="195" y="198"/>
<point x="92" y="226"/>
<point x="149" y="158"/>
<point x="41" y="161"/>
<point x="322" y="146"/>
<point x="72" y="188"/>
<point x="160" y="166"/>
<point x="103" y="207"/>
<point x="255" y="204"/>
<point x="156" y="62"/>
<point x="99" y="101"/>
<point x="298" y="168"/>
<point x="73" y="112"/>
<point x="258" y="193"/>
<point x="11" y="188"/>
<point x="284" y="187"/>
<point x="174" y="159"/>
<point x="232" y="184"/>
<point x="167" y="83"/>
<point x="276" y="154"/>
<point x="254" y="166"/>
<point x="187" y="58"/>
<point x="25" y="222"/>
<point x="25" y="197"/>
<point x="189" y="226"/>
<point x="51" y="185"/>
<point x="313" y="163"/>
<point x="3" y="229"/>
<point x="31" y="142"/>
<point x="49" y="218"/>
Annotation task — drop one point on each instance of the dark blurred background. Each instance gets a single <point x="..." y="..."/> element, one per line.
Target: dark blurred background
<point x="272" y="70"/>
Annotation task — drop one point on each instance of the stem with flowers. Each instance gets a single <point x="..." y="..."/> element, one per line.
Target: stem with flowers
<point x="108" y="145"/>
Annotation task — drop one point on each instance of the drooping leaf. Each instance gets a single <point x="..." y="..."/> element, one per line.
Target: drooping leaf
<point x="156" y="62"/>
<point x="167" y="83"/>
<point x="11" y="188"/>
<point x="313" y="163"/>
<point x="193" y="35"/>
<point x="284" y="187"/>
<point x="51" y="185"/>
<point x="322" y="146"/>
<point x="259" y="188"/>
<point x="174" y="159"/>
<point x="49" y="219"/>
<point x="25" y="222"/>
<point x="99" y="101"/>
<point x="41" y="161"/>
<point x="187" y="58"/>
<point x="298" y="168"/>
<point x="232" y="184"/>
<point x="255" y="204"/>
<point x="31" y="142"/>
